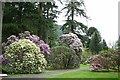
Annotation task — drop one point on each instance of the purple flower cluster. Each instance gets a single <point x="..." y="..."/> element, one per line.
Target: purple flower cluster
<point x="34" y="38"/>
<point x="41" y="44"/>
<point x="44" y="48"/>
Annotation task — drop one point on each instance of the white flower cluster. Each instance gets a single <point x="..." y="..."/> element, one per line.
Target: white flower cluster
<point x="24" y="57"/>
<point x="72" y="41"/>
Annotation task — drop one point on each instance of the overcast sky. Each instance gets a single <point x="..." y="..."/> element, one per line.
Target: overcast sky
<point x="104" y="15"/>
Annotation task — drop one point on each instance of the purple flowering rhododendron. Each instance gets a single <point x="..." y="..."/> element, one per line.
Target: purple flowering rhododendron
<point x="44" y="48"/>
<point x="34" y="38"/>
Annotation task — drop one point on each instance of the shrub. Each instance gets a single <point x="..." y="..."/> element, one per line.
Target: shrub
<point x="45" y="49"/>
<point x="63" y="57"/>
<point x="73" y="42"/>
<point x="107" y="51"/>
<point x="106" y="62"/>
<point x="24" y="57"/>
<point x="100" y="62"/>
<point x="116" y="58"/>
<point x="86" y="55"/>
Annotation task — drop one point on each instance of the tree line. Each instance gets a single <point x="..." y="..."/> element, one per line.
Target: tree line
<point x="40" y="18"/>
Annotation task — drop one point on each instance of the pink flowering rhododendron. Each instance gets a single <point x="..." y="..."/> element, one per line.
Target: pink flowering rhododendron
<point x="72" y="41"/>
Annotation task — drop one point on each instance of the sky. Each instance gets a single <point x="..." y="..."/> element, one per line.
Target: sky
<point x="104" y="16"/>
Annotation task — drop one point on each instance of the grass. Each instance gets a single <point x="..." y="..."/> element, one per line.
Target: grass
<point x="77" y="74"/>
<point x="15" y="75"/>
<point x="87" y="74"/>
<point x="84" y="66"/>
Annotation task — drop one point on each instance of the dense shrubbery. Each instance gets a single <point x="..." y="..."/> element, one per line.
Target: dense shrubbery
<point x="85" y="57"/>
<point x="107" y="51"/>
<point x="73" y="42"/>
<point x="23" y="56"/>
<point x="63" y="57"/>
<point x="45" y="49"/>
<point x="106" y="62"/>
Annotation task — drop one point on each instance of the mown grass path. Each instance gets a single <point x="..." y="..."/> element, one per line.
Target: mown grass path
<point x="47" y="73"/>
<point x="82" y="72"/>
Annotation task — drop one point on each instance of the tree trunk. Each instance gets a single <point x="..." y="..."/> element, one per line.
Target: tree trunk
<point x="1" y="18"/>
<point x="46" y="34"/>
<point x="39" y="32"/>
<point x="72" y="26"/>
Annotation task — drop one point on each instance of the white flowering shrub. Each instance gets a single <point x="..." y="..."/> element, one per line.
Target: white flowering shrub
<point x="24" y="57"/>
<point x="72" y="41"/>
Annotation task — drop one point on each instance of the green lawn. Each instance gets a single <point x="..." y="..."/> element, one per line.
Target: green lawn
<point x="15" y="75"/>
<point x="84" y="66"/>
<point x="78" y="74"/>
<point x="87" y="74"/>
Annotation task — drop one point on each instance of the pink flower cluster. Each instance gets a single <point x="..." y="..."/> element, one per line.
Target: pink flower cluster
<point x="72" y="41"/>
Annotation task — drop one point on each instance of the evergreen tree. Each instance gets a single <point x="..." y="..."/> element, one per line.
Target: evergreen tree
<point x="47" y="14"/>
<point x="74" y="8"/>
<point x="95" y="43"/>
<point x="88" y="36"/>
<point x="18" y="17"/>
<point x="38" y="18"/>
<point x="104" y="45"/>
<point x="91" y="30"/>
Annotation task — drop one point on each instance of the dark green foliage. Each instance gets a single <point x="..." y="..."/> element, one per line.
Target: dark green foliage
<point x="91" y="30"/>
<point x="9" y="29"/>
<point x="104" y="45"/>
<point x="95" y="43"/>
<point x="18" y="17"/>
<point x="63" y="57"/>
<point x="38" y="18"/>
<point x="87" y="38"/>
<point x="74" y="9"/>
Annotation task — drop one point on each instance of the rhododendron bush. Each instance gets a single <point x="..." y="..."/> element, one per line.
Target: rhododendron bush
<point x="72" y="41"/>
<point x="23" y="56"/>
<point x="106" y="62"/>
<point x="45" y="49"/>
<point x="63" y="57"/>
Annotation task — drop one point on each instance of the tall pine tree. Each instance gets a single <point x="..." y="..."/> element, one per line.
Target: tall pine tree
<point x="74" y="8"/>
